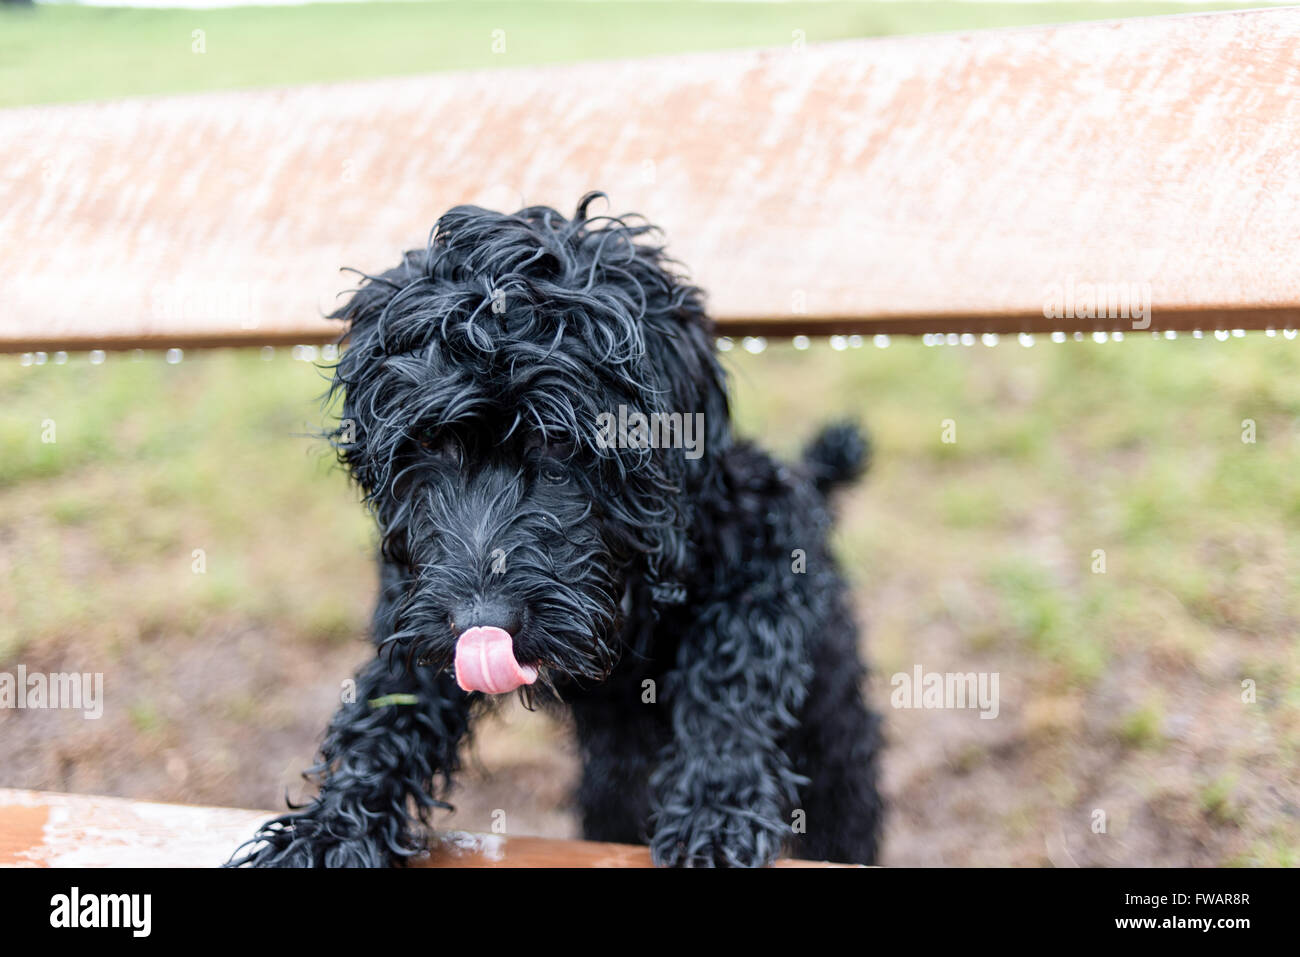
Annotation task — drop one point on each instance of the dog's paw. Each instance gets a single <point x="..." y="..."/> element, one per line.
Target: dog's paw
<point x="305" y="841"/>
<point x="720" y="809"/>
<point x="704" y="820"/>
<point x="716" y="837"/>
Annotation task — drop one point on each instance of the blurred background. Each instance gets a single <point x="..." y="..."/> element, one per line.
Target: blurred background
<point x="1120" y="690"/>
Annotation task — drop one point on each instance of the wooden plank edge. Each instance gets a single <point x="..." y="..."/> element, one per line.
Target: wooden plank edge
<point x="50" y="829"/>
<point x="1207" y="319"/>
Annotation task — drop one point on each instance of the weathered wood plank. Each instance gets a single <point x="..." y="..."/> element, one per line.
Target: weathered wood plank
<point x="942" y="183"/>
<point x="44" y="829"/>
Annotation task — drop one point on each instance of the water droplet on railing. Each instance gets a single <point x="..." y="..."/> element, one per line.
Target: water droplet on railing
<point x="881" y="341"/>
<point x="175" y="356"/>
<point x="990" y="339"/>
<point x="1026" y="340"/>
<point x="801" y="342"/>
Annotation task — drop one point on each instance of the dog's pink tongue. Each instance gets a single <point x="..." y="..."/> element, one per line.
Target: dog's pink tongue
<point x="485" y="661"/>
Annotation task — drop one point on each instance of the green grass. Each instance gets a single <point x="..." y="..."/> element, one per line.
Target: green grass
<point x="1217" y="800"/>
<point x="153" y="461"/>
<point x="1118" y="452"/>
<point x="54" y="54"/>
<point x="1140" y="728"/>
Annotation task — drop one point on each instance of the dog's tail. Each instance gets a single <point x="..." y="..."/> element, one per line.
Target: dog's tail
<point x="838" y="455"/>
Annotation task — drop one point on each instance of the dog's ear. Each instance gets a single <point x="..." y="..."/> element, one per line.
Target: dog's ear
<point x="690" y="383"/>
<point x="359" y="372"/>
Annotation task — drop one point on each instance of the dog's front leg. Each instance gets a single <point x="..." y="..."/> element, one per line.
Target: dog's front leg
<point x="393" y="744"/>
<point x="724" y="785"/>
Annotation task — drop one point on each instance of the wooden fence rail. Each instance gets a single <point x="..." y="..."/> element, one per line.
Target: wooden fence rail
<point x="952" y="183"/>
<point x="42" y="829"/>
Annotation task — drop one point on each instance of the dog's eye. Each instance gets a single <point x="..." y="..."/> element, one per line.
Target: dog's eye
<point x="553" y="472"/>
<point x="443" y="448"/>
<point x="551" y="460"/>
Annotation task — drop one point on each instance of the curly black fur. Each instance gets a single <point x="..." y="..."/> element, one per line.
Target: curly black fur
<point x="686" y="608"/>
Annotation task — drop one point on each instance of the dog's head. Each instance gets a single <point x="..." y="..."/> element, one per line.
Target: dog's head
<point x="531" y="403"/>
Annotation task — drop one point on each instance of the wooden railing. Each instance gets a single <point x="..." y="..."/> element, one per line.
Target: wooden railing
<point x="42" y="829"/>
<point x="946" y="183"/>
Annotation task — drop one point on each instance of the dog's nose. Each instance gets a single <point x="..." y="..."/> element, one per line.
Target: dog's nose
<point x="487" y="613"/>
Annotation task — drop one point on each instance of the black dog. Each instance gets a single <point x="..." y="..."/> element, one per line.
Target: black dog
<point x="519" y="407"/>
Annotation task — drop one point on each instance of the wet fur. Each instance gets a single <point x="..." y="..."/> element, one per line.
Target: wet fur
<point x="715" y="687"/>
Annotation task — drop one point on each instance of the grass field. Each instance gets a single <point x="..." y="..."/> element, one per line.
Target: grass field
<point x="1122" y="688"/>
<point x="51" y="54"/>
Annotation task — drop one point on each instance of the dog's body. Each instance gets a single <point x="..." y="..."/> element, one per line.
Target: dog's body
<point x="682" y="602"/>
